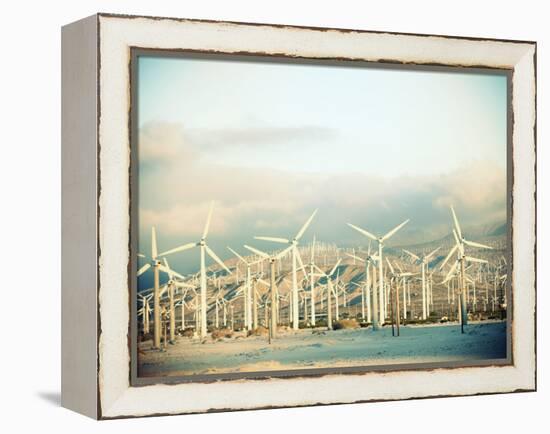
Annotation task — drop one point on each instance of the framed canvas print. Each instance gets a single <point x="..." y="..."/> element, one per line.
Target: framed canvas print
<point x="263" y="216"/>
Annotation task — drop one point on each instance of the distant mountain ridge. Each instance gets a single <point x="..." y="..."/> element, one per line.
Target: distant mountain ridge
<point x="484" y="233"/>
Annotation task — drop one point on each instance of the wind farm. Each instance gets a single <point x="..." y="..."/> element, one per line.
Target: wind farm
<point x="317" y="304"/>
<point x="295" y="216"/>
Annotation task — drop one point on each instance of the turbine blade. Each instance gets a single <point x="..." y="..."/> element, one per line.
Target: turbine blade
<point x="237" y="255"/>
<point x="299" y="257"/>
<point x="335" y="267"/>
<point x="355" y="257"/>
<point x="207" y="225"/>
<point x="394" y="230"/>
<point x="180" y="249"/>
<point x="143" y="269"/>
<point x="458" y="243"/>
<point x="256" y="251"/>
<point x="480" y="261"/>
<point x="457" y="226"/>
<point x="363" y="231"/>
<point x="274" y="239"/>
<point x="322" y="273"/>
<point x="168" y="271"/>
<point x="451" y="271"/>
<point x="141" y="255"/>
<point x="305" y="226"/>
<point x="429" y="255"/>
<point x="154" y="251"/>
<point x="183" y="285"/>
<point x="283" y="252"/>
<point x="389" y="263"/>
<point x="411" y="254"/>
<point x="448" y="257"/>
<point x="474" y="244"/>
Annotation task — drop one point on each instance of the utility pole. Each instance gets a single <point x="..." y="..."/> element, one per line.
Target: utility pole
<point x="273" y="327"/>
<point x="156" y="306"/>
<point x="397" y="306"/>
<point x="462" y="300"/>
<point x="375" y="308"/>
<point x="255" y="304"/>
<point x="329" y="304"/>
<point x="172" y="313"/>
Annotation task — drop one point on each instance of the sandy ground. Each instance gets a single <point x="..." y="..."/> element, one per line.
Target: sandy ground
<point x="304" y="349"/>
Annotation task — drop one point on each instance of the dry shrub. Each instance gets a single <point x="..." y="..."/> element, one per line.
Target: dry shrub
<point x="259" y="331"/>
<point x="345" y="324"/>
<point x="222" y="333"/>
<point x="188" y="333"/>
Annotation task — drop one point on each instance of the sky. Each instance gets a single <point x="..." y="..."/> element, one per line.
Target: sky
<point x="269" y="142"/>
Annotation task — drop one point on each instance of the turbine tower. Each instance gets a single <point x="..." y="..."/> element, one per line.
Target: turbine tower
<point x="330" y="290"/>
<point x="368" y="261"/>
<point x="312" y="282"/>
<point x="295" y="257"/>
<point x="248" y="289"/>
<point x="424" y="260"/>
<point x="380" y="241"/>
<point x="396" y="277"/>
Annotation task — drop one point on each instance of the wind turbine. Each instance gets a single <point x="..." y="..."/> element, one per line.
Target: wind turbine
<point x="146" y="312"/>
<point x="369" y="260"/>
<point x="272" y="286"/>
<point x="396" y="277"/>
<point x="171" y="285"/>
<point x="295" y="256"/>
<point x="460" y="244"/>
<point x="255" y="280"/>
<point x="204" y="249"/>
<point x="248" y="290"/>
<point x="157" y="266"/>
<point x="330" y="290"/>
<point x="424" y="260"/>
<point x="380" y="240"/>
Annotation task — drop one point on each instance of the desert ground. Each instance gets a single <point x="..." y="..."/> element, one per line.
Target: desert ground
<point x="307" y="349"/>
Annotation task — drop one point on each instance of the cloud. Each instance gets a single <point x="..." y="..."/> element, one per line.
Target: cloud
<point x="479" y="186"/>
<point x="208" y="139"/>
<point x="256" y="201"/>
<point x="162" y="142"/>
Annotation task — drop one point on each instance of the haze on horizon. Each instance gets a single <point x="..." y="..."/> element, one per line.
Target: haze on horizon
<point x="271" y="142"/>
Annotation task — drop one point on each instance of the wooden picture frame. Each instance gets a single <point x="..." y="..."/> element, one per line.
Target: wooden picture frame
<point x="98" y="258"/>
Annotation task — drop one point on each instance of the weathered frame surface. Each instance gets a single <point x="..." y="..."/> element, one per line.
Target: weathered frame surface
<point x="116" y="35"/>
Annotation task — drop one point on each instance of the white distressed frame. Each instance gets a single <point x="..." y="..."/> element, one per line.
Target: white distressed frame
<point x="116" y="36"/>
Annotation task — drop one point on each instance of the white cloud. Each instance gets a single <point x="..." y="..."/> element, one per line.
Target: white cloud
<point x="176" y="195"/>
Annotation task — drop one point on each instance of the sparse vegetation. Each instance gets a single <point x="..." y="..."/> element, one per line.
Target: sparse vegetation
<point x="345" y="324"/>
<point x="187" y="333"/>
<point x="221" y="333"/>
<point x="259" y="331"/>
